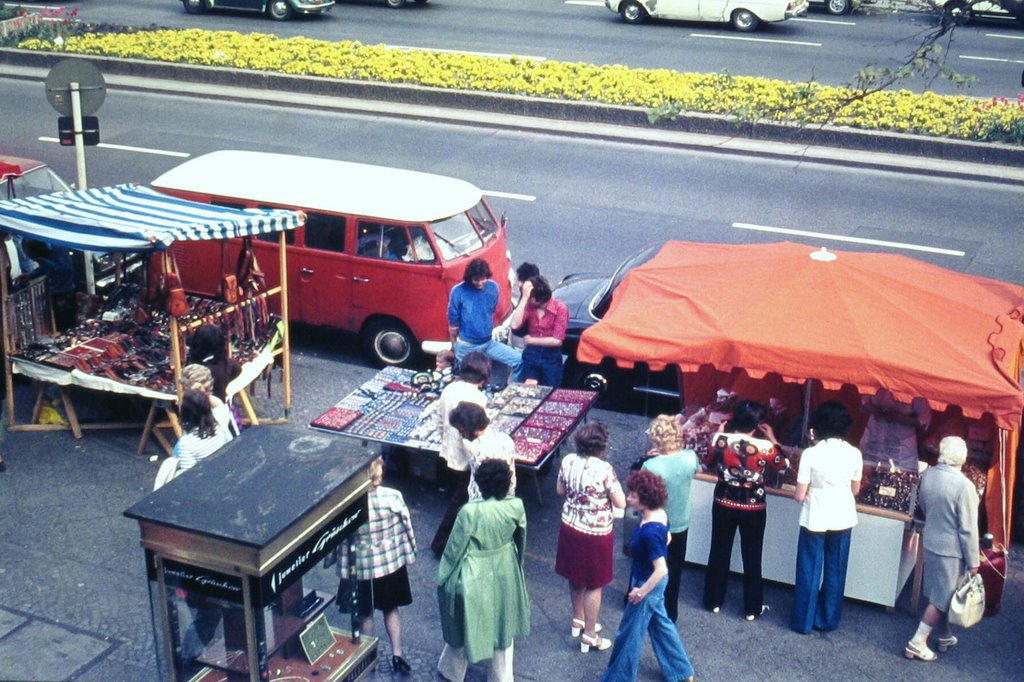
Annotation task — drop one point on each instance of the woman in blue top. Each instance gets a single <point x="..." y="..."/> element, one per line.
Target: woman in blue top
<point x="645" y="609"/>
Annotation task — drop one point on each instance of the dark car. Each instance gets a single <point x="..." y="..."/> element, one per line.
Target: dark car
<point x="588" y="296"/>
<point x="279" y="10"/>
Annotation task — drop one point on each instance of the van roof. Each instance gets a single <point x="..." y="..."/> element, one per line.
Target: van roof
<point x="323" y="184"/>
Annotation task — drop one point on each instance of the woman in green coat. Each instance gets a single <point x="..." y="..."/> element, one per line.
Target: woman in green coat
<point x="481" y="588"/>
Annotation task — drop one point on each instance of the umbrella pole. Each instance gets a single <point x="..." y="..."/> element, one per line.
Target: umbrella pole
<point x="807" y="411"/>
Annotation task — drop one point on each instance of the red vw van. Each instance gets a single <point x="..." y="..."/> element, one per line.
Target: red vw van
<point x="380" y="251"/>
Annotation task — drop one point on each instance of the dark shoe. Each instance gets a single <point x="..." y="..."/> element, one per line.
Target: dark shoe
<point x="399" y="665"/>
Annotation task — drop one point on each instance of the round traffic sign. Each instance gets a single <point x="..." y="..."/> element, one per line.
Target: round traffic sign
<point x="91" y="86"/>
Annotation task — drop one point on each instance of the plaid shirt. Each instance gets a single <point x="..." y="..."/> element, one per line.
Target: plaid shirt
<point x="385" y="542"/>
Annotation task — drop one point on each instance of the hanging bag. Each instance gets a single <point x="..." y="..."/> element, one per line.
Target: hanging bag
<point x="968" y="604"/>
<point x="177" y="304"/>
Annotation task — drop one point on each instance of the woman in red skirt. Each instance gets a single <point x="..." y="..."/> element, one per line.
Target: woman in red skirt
<point x="585" y="540"/>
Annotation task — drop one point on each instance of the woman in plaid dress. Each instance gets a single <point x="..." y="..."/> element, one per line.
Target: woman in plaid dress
<point x="384" y="545"/>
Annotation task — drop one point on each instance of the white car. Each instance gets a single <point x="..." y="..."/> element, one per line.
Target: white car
<point x="744" y="15"/>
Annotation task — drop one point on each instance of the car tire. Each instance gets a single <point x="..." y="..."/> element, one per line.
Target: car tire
<point x="632" y="12"/>
<point x="389" y="342"/>
<point x="421" y="2"/>
<point x="839" y="7"/>
<point x="395" y="4"/>
<point x="279" y="10"/>
<point x="194" y="6"/>
<point x="744" y="20"/>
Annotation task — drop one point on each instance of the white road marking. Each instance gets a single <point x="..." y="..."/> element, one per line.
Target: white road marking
<point x="836" y="22"/>
<point x="126" y="148"/>
<point x="1004" y="36"/>
<point x="854" y="240"/>
<point x="508" y="195"/>
<point x="991" y="59"/>
<point x="585" y="3"/>
<point x="755" y="40"/>
<point x="500" y="55"/>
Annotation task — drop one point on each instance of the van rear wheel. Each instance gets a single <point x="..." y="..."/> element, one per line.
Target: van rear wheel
<point x="389" y="342"/>
<point x="194" y="6"/>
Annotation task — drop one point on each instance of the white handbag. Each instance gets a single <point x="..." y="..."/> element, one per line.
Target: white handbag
<point x="968" y="604"/>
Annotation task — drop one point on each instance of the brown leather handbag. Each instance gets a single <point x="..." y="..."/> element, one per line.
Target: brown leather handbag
<point x="177" y="304"/>
<point x="229" y="289"/>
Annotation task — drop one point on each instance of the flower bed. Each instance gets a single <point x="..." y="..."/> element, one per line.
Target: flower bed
<point x="664" y="92"/>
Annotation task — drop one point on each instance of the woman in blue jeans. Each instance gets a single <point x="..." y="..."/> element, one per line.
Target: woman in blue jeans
<point x="645" y="609"/>
<point x="827" y="481"/>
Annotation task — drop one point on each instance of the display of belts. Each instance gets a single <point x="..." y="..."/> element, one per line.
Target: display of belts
<point x="392" y="408"/>
<point x="237" y="595"/>
<point x="135" y="340"/>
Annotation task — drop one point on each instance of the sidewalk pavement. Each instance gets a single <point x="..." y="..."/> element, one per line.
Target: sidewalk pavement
<point x="74" y="602"/>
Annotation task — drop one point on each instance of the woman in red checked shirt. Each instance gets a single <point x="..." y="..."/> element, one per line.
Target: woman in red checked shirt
<point x="740" y="458"/>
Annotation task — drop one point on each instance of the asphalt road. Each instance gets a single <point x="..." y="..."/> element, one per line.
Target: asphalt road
<point x="573" y="204"/>
<point x="817" y="47"/>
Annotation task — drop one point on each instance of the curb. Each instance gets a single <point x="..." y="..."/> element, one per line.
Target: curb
<point x="632" y="121"/>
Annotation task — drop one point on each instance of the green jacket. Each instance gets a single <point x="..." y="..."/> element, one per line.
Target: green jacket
<point x="481" y="588"/>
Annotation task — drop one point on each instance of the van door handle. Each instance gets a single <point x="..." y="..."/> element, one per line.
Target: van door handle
<point x="307" y="271"/>
<point x="361" y="280"/>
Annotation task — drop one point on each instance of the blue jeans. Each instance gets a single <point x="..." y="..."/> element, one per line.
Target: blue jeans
<point x="543" y="364"/>
<point x="495" y="350"/>
<point x="648" y="615"/>
<point x="817" y="554"/>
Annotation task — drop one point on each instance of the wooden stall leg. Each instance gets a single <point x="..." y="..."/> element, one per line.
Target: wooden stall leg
<point x="37" y="408"/>
<point x="70" y="409"/>
<point x="250" y="413"/>
<point x="148" y="429"/>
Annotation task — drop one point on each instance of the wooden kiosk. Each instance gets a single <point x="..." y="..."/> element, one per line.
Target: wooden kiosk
<point x="128" y="218"/>
<point x="227" y="546"/>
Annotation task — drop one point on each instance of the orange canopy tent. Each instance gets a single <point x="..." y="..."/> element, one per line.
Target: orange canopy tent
<point x="843" y="318"/>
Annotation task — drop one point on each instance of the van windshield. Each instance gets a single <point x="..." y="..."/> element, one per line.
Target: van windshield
<point x="456" y="237"/>
<point x="36" y="181"/>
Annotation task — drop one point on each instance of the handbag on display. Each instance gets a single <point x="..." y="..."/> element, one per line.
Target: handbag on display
<point x="229" y="289"/>
<point x="177" y="304"/>
<point x="968" y="605"/>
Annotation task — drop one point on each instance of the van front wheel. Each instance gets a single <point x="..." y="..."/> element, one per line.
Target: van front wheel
<point x="389" y="342"/>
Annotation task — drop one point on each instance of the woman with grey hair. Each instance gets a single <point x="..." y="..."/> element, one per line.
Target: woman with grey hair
<point x="950" y="505"/>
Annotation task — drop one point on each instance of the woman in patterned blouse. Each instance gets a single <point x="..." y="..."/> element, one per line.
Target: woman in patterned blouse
<point x="585" y="541"/>
<point x="740" y="454"/>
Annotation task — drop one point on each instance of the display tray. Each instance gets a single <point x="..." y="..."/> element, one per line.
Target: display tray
<point x="386" y="409"/>
<point x="345" y="662"/>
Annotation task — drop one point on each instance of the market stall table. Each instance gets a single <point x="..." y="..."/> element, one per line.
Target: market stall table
<point x="137" y="346"/>
<point x="388" y="409"/>
<point x="227" y="545"/>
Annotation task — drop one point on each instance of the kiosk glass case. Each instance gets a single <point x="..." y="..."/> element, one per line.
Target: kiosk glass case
<point x="229" y="545"/>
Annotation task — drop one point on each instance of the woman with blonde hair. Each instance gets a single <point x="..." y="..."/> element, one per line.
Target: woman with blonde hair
<point x="676" y="466"/>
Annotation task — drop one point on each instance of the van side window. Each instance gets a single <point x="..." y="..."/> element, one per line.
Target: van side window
<point x="325" y="232"/>
<point x="374" y="239"/>
<point x="289" y="235"/>
<point x="227" y="204"/>
<point x="421" y="247"/>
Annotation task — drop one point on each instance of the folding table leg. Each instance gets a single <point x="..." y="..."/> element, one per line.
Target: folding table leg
<point x="70" y="409"/>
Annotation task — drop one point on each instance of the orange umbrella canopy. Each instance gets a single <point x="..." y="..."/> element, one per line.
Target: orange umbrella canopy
<point x="866" y="319"/>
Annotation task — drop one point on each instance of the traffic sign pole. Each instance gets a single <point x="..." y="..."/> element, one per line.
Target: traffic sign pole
<point x="83" y="183"/>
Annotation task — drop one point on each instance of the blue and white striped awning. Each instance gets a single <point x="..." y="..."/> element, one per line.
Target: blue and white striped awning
<point x="133" y="218"/>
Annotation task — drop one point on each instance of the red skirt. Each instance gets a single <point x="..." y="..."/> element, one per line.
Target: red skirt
<point x="584" y="560"/>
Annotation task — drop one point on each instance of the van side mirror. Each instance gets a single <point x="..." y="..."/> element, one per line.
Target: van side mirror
<point x="504" y="220"/>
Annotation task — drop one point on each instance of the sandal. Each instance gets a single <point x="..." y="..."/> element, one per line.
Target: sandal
<point x="599" y="643"/>
<point x="945" y="643"/>
<point x="578" y="625"/>
<point x="922" y="653"/>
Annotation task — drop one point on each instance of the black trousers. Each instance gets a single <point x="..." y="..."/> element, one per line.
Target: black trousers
<point x="724" y="523"/>
<point x="458" y="483"/>
<point x="675" y="560"/>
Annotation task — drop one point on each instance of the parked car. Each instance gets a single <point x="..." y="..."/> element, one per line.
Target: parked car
<point x="837" y="7"/>
<point x="279" y="10"/>
<point x="996" y="8"/>
<point x="27" y="177"/>
<point x="379" y="253"/>
<point x="744" y="15"/>
<point x="588" y="296"/>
